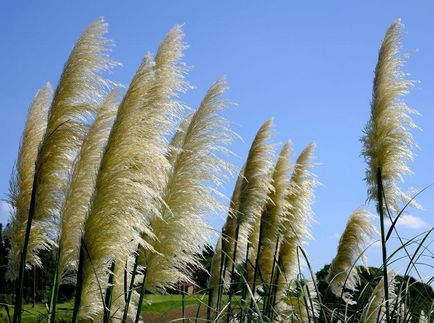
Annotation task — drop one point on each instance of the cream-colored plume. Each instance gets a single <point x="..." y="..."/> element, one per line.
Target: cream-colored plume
<point x="387" y="141"/>
<point x="75" y="100"/>
<point x="248" y="200"/>
<point x="254" y="190"/>
<point x="375" y="309"/>
<point x="133" y="169"/>
<point x="21" y="183"/>
<point x="274" y="213"/>
<point x="343" y="275"/>
<point x="295" y="227"/>
<point x="177" y="141"/>
<point x="82" y="186"/>
<point x="256" y="184"/>
<point x="197" y="173"/>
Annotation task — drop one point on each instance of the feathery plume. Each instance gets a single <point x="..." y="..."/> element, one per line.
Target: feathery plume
<point x="255" y="187"/>
<point x="133" y="168"/>
<point x="387" y="141"/>
<point x="76" y="99"/>
<point x="375" y="309"/>
<point x="82" y="185"/>
<point x="21" y="183"/>
<point x="343" y="276"/>
<point x="190" y="194"/>
<point x="274" y="212"/>
<point x="175" y="145"/>
<point x="254" y="190"/>
<point x="297" y="220"/>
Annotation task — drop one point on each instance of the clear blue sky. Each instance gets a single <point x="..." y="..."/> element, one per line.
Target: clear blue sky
<point x="308" y="64"/>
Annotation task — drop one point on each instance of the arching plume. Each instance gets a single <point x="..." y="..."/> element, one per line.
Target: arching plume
<point x="254" y="189"/>
<point x="343" y="276"/>
<point x="82" y="185"/>
<point x="274" y="212"/>
<point x="297" y="220"/>
<point x="175" y="145"/>
<point x="75" y="100"/>
<point x="387" y="141"/>
<point x="190" y="193"/>
<point x="21" y="183"/>
<point x="133" y="169"/>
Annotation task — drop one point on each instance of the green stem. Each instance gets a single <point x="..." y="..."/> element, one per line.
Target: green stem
<point x="274" y="290"/>
<point x="198" y="311"/>
<point x="246" y="282"/>
<point x="142" y="296"/>
<point x="383" y="241"/>
<point x="258" y="253"/>
<point x="54" y="292"/>
<point x="79" y="286"/>
<point x="183" y="302"/>
<point x="220" y="284"/>
<point x="270" y="287"/>
<point x="20" y="281"/>
<point x="130" y="291"/>
<point x="126" y="280"/>
<point x="237" y="231"/>
<point x="109" y="294"/>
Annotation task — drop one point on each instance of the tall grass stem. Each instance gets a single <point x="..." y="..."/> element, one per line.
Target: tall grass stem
<point x="383" y="241"/>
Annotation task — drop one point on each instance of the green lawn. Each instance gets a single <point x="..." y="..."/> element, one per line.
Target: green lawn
<point x="156" y="308"/>
<point x="153" y="304"/>
<point x="163" y="303"/>
<point x="39" y="312"/>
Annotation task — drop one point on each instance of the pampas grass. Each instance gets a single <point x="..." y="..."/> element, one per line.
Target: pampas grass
<point x="175" y="146"/>
<point x="253" y="191"/>
<point x="189" y="195"/>
<point x="82" y="186"/>
<point x="128" y="208"/>
<point x="248" y="200"/>
<point x="343" y="276"/>
<point x="21" y="184"/>
<point x="77" y="97"/>
<point x="132" y="173"/>
<point x="297" y="220"/>
<point x="375" y="310"/>
<point x="274" y="213"/>
<point x="253" y="195"/>
<point x="222" y="262"/>
<point x="387" y="141"/>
